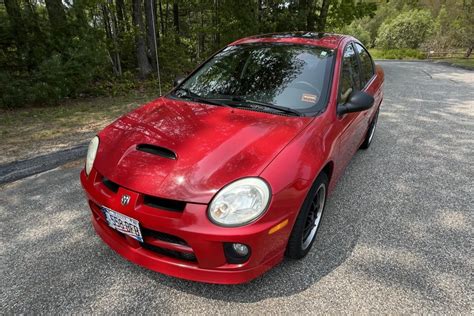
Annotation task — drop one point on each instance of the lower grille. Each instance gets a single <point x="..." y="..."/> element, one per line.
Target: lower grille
<point x="162" y="236"/>
<point x="170" y="253"/>
<point x="151" y="243"/>
<point x="158" y="242"/>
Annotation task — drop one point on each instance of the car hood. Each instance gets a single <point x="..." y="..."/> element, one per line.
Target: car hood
<point x="214" y="145"/>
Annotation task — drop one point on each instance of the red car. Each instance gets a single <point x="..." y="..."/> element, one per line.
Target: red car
<point x="221" y="178"/>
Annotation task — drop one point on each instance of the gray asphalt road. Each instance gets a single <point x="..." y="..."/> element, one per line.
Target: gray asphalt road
<point x="396" y="238"/>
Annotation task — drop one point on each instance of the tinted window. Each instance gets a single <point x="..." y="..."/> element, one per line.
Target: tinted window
<point x="293" y="76"/>
<point x="350" y="74"/>
<point x="365" y="63"/>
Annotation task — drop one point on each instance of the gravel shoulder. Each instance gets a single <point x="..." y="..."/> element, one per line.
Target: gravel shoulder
<point x="396" y="237"/>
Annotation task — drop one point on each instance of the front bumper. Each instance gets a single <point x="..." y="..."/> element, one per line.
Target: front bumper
<point x="192" y="247"/>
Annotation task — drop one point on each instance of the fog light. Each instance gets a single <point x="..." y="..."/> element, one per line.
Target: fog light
<point x="236" y="252"/>
<point x="240" y="249"/>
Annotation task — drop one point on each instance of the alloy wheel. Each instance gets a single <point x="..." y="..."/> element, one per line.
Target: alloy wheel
<point x="314" y="216"/>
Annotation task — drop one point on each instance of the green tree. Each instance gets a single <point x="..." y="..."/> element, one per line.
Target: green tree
<point x="408" y="30"/>
<point x="454" y="27"/>
<point x="56" y="49"/>
<point x="358" y="30"/>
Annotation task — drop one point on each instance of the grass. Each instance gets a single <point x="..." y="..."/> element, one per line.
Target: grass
<point x="415" y="54"/>
<point x="28" y="132"/>
<point x="403" y="53"/>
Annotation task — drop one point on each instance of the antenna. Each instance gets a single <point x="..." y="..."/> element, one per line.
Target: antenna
<point x="154" y="42"/>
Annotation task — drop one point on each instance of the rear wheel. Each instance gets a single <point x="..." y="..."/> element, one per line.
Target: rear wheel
<point x="309" y="219"/>
<point x="370" y="132"/>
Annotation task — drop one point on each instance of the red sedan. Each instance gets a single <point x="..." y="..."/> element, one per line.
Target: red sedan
<point x="223" y="177"/>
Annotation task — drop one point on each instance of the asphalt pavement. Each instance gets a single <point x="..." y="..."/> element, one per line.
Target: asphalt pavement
<point x="396" y="238"/>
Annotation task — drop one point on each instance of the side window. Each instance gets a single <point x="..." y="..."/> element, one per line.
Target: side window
<point x="350" y="74"/>
<point x="366" y="64"/>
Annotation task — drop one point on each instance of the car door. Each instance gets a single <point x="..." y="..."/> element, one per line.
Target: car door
<point x="352" y="126"/>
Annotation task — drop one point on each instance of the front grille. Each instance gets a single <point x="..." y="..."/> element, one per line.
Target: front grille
<point x="170" y="253"/>
<point x="164" y="204"/>
<point x="152" y="201"/>
<point x="163" y="236"/>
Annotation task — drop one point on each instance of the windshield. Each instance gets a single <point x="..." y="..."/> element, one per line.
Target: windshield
<point x="291" y="76"/>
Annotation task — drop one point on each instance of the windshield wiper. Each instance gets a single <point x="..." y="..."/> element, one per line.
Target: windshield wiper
<point x="248" y="102"/>
<point x="195" y="97"/>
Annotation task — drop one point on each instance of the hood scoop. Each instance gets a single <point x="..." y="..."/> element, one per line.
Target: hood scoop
<point x="157" y="150"/>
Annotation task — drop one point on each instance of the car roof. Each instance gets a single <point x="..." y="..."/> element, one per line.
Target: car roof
<point x="328" y="40"/>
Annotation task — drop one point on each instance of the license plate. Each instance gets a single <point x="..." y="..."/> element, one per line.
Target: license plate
<point x="124" y="224"/>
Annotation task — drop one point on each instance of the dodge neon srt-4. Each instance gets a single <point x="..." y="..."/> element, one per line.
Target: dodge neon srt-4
<point x="228" y="173"/>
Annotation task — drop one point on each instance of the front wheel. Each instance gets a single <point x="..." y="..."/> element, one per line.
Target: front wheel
<point x="370" y="132"/>
<point x="309" y="219"/>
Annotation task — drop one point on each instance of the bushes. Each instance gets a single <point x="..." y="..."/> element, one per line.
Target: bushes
<point x="402" y="53"/>
<point x="357" y="30"/>
<point x="408" y="30"/>
<point x="67" y="74"/>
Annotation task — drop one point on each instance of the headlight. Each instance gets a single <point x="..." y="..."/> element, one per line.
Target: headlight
<point x="240" y="202"/>
<point x="91" y="153"/>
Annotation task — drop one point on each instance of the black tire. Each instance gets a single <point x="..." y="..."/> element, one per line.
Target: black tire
<point x="370" y="132"/>
<point x="298" y="244"/>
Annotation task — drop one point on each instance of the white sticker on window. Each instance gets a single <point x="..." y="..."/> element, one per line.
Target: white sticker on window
<point x="306" y="97"/>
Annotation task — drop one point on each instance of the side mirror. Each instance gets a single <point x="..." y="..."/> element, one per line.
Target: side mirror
<point x="178" y="80"/>
<point x="357" y="102"/>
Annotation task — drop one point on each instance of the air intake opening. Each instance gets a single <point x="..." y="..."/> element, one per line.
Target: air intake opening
<point x="157" y="150"/>
<point x="112" y="186"/>
<point x="164" y="204"/>
<point x="163" y="236"/>
<point x="170" y="253"/>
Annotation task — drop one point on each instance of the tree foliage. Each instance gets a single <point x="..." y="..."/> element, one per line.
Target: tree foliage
<point x="358" y="29"/>
<point x="408" y="30"/>
<point x="445" y="25"/>
<point x="55" y="49"/>
<point x="454" y="27"/>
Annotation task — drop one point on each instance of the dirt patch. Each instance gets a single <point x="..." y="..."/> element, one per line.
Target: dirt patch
<point x="30" y="132"/>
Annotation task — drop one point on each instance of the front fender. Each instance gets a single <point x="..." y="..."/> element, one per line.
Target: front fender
<point x="296" y="167"/>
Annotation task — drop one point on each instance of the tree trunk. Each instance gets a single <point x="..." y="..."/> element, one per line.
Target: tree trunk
<point x="16" y="22"/>
<point x="162" y="22"/>
<point x="105" y="16"/>
<point x="150" y="15"/>
<point x="176" y="15"/>
<point x="260" y="14"/>
<point x="34" y="19"/>
<point x="468" y="52"/>
<point x="167" y="14"/>
<point x="115" y="35"/>
<point x="144" y="67"/>
<point x="121" y="16"/>
<point x="310" y="16"/>
<point x="108" y="33"/>
<point x="323" y="15"/>
<point x="217" y="34"/>
<point x="201" y="37"/>
<point x="57" y="16"/>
